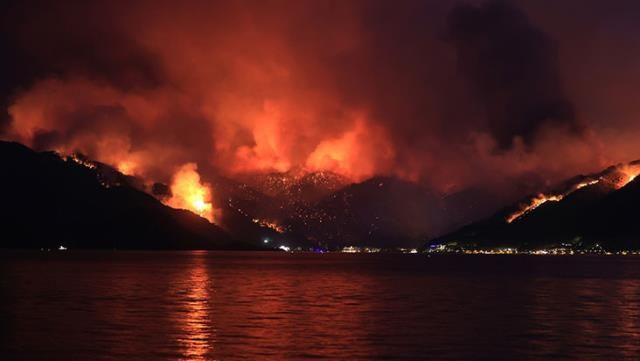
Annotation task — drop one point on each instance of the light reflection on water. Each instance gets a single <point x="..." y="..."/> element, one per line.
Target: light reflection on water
<point x="272" y="306"/>
<point x="193" y="310"/>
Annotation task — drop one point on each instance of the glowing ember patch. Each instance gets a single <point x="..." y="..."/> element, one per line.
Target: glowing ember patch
<point x="271" y="225"/>
<point x="189" y="193"/>
<point x="83" y="162"/>
<point x="541" y="199"/>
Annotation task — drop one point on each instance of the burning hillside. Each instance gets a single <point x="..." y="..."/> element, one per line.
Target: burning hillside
<point x="50" y="200"/>
<point x="451" y="97"/>
<point x="258" y="110"/>
<point x="598" y="208"/>
<point x="541" y="198"/>
<point x="188" y="192"/>
<point x="617" y="176"/>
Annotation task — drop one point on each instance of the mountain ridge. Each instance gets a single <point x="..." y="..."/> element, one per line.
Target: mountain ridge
<point x="599" y="208"/>
<point x="49" y="201"/>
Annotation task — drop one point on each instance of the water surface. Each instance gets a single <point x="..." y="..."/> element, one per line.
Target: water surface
<point x="275" y="306"/>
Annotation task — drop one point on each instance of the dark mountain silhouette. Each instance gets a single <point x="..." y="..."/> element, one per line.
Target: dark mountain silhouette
<point x="324" y="210"/>
<point x="240" y="205"/>
<point x="276" y="196"/>
<point x="387" y="212"/>
<point x="259" y="207"/>
<point x="49" y="200"/>
<point x="599" y="209"/>
<point x="381" y="211"/>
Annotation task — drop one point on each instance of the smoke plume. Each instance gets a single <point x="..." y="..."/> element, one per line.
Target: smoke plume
<point x="451" y="95"/>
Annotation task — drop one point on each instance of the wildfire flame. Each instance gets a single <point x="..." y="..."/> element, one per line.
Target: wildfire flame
<point x="627" y="173"/>
<point x="269" y="224"/>
<point x="127" y="167"/>
<point x="84" y="162"/>
<point x="189" y="193"/>
<point x="534" y="203"/>
<point x="355" y="154"/>
<point x="620" y="176"/>
<point x="541" y="199"/>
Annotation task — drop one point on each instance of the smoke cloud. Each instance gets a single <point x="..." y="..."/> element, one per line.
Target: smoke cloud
<point x="451" y="95"/>
<point x="511" y="66"/>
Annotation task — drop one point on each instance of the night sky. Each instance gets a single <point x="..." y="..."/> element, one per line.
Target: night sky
<point x="498" y="95"/>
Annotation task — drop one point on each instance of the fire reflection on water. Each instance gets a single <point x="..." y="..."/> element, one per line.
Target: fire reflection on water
<point x="282" y="306"/>
<point x="196" y="333"/>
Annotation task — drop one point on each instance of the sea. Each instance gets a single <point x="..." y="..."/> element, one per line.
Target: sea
<point x="199" y="305"/>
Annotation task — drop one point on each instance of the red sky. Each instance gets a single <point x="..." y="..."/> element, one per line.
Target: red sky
<point x="448" y="94"/>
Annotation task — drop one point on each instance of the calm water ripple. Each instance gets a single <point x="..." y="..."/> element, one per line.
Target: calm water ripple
<point x="275" y="306"/>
